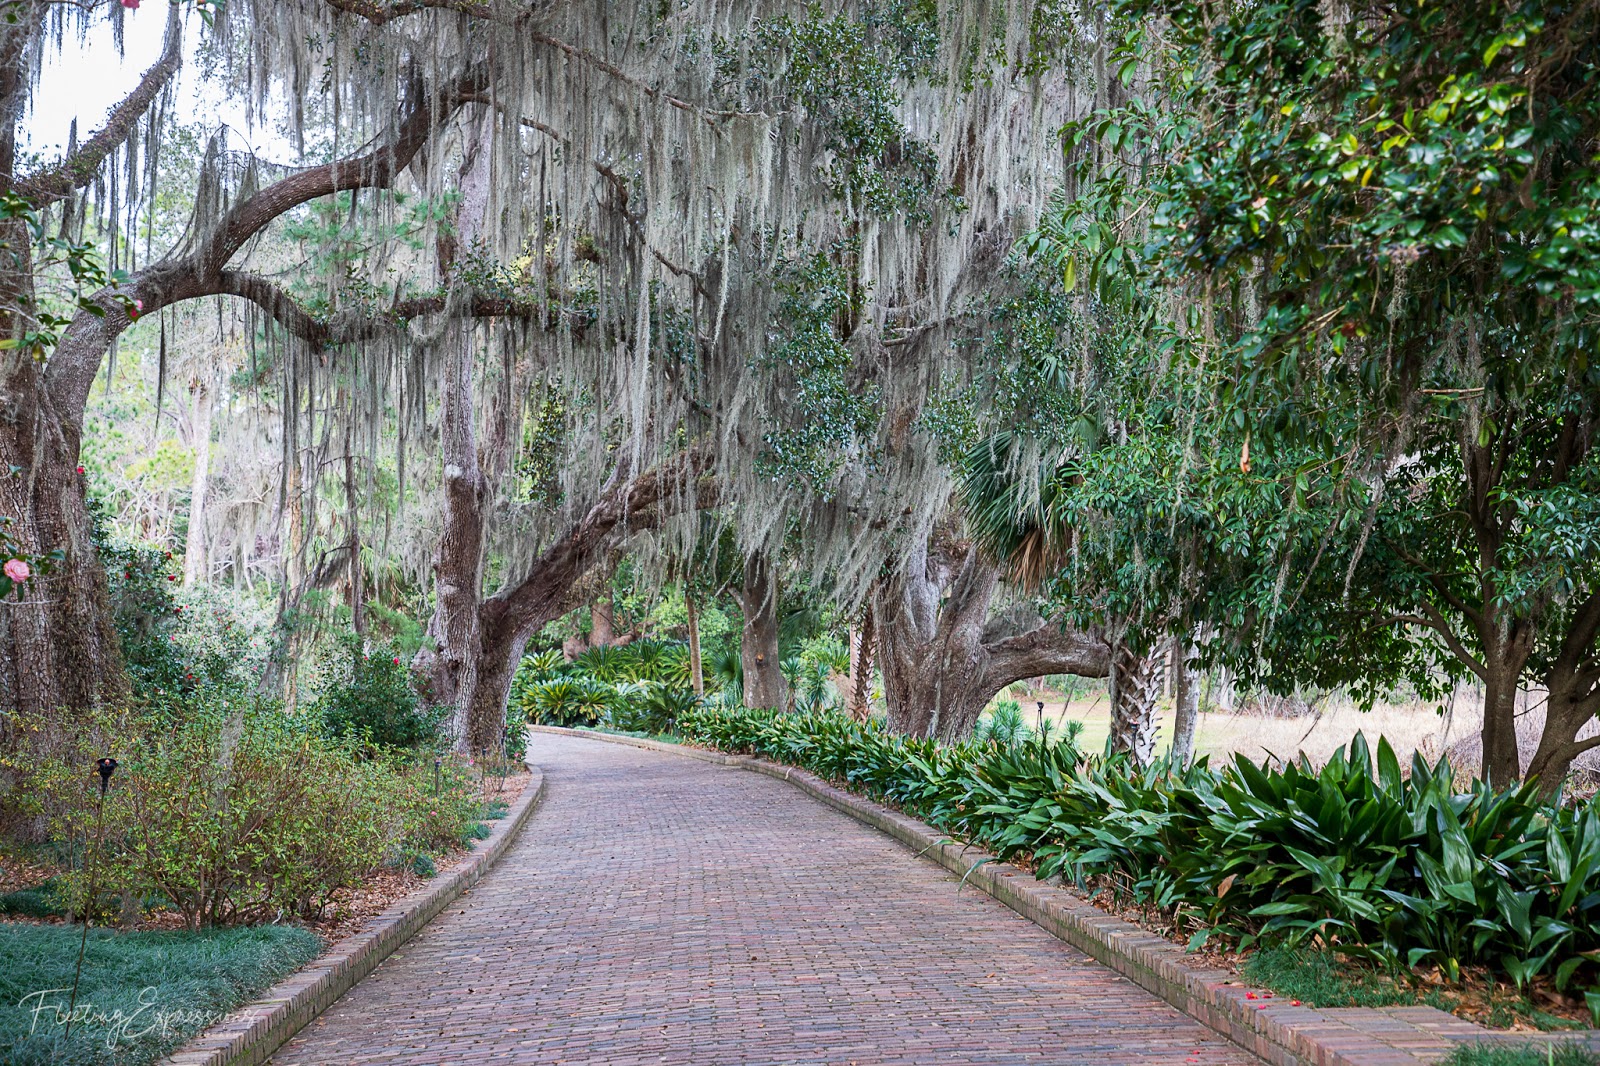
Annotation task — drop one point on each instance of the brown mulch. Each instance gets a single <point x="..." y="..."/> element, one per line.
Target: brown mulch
<point x="17" y="872"/>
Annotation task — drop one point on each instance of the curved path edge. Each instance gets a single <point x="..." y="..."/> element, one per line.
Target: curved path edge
<point x="1273" y="1030"/>
<point x="250" y="1034"/>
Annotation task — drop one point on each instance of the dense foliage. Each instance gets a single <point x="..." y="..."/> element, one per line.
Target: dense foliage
<point x="1351" y="252"/>
<point x="369" y="698"/>
<point x="1390" y="862"/>
<point x="638" y="687"/>
<point x="236" y="814"/>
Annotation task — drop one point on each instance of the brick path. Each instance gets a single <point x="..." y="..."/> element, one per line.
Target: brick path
<point x="659" y="909"/>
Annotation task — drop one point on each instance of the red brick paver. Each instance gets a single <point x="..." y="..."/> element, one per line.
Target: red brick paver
<point x="662" y="910"/>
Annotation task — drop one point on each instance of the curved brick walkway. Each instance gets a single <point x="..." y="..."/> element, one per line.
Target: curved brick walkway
<point x="659" y="909"/>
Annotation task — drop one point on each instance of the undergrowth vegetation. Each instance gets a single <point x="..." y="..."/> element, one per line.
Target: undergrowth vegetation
<point x="640" y="687"/>
<point x="235" y="813"/>
<point x="1381" y="861"/>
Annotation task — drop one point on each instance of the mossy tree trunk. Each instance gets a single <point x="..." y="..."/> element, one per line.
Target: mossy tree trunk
<point x="943" y="657"/>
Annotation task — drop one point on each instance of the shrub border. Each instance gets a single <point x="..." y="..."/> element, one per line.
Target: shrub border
<point x="1280" y="1034"/>
<point x="250" y="1034"/>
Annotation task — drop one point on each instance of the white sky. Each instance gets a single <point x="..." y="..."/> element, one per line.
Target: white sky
<point x="86" y="80"/>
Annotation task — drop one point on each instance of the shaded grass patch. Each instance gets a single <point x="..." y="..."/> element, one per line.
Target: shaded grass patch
<point x="1487" y="1054"/>
<point x="142" y="994"/>
<point x="1323" y="979"/>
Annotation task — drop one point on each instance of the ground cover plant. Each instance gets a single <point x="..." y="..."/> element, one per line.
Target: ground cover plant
<point x="142" y="993"/>
<point x="1553" y="1054"/>
<point x="1381" y="862"/>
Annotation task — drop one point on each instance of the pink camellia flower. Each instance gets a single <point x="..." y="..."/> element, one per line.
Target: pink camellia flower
<point x="17" y="570"/>
<point x="397" y="660"/>
<point x="131" y="5"/>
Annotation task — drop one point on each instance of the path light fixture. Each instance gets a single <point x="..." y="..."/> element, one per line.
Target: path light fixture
<point x="436" y="762"/>
<point x="105" y="767"/>
<point x="1039" y="709"/>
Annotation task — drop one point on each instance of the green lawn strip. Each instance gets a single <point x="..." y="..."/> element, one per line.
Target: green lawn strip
<point x="1486" y="1054"/>
<point x="142" y="993"/>
<point x="1319" y="979"/>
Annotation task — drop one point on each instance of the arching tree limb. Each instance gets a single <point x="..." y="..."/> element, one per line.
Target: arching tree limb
<point x="78" y="169"/>
<point x="76" y="360"/>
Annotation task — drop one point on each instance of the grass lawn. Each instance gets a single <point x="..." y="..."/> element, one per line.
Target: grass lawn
<point x="142" y="993"/>
<point x="1521" y="1055"/>
<point x="1317" y="979"/>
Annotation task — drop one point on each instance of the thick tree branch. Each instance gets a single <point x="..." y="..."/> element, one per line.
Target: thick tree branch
<point x="346" y="328"/>
<point x="1047" y="649"/>
<point x="76" y="360"/>
<point x="1580" y="643"/>
<point x="378" y="14"/>
<point x="375" y="169"/>
<point x="1436" y="621"/>
<point x="78" y="170"/>
<point x="628" y="504"/>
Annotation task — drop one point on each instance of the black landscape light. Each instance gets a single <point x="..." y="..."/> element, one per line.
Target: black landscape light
<point x="436" y="762"/>
<point x="105" y="767"/>
<point x="1039" y="705"/>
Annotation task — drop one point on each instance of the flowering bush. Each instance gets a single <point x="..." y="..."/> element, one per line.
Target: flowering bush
<point x="435" y="817"/>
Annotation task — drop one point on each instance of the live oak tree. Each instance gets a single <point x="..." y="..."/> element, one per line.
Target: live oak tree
<point x="633" y="200"/>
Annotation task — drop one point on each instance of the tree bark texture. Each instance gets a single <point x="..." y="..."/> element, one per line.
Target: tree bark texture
<point x="1572" y="684"/>
<point x="455" y="630"/>
<point x="1185" y="705"/>
<point x="943" y="658"/>
<point x="697" y="671"/>
<point x="196" y="569"/>
<point x="1136" y="679"/>
<point x="764" y="683"/>
<point x="861" y="668"/>
<point x="602" y="621"/>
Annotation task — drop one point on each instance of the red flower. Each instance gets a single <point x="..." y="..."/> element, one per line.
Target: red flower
<point x="397" y="660"/>
<point x="172" y="577"/>
<point x="1294" y="1003"/>
<point x="1249" y="995"/>
<point x="80" y="469"/>
<point x="131" y="5"/>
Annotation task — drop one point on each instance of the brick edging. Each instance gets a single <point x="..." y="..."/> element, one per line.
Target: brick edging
<point x="250" y="1034"/>
<point x="1277" y="1032"/>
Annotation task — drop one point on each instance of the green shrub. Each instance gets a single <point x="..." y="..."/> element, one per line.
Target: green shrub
<point x="1002" y="725"/>
<point x="1395" y="865"/>
<point x="233" y="814"/>
<point x="434" y="818"/>
<point x="564" y="701"/>
<point x="41" y="901"/>
<point x="370" y="698"/>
